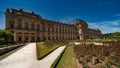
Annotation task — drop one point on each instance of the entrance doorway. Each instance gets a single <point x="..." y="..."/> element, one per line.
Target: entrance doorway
<point x="78" y="38"/>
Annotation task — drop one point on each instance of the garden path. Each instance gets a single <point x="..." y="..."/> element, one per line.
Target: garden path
<point x="26" y="58"/>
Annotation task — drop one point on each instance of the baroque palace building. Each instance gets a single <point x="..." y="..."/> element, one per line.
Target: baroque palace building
<point x="83" y="32"/>
<point x="30" y="27"/>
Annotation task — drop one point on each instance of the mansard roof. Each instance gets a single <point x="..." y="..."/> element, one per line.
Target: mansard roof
<point x="22" y="12"/>
<point x="79" y="21"/>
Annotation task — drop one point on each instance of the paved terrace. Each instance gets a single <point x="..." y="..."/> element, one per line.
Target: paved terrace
<point x="26" y="58"/>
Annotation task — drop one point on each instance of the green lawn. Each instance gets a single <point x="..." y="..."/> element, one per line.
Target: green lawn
<point x="68" y="59"/>
<point x="43" y="49"/>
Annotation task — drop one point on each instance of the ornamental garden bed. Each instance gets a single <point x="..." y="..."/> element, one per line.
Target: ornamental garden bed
<point x="98" y="56"/>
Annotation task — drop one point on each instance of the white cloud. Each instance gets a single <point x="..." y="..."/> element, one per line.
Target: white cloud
<point x="68" y="19"/>
<point x="106" y="26"/>
<point x="118" y="15"/>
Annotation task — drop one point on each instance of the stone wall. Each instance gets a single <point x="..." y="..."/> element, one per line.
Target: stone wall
<point x="8" y="48"/>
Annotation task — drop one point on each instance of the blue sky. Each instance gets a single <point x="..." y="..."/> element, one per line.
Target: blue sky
<point x="102" y="14"/>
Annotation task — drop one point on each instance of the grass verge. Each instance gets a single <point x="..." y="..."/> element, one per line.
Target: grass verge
<point x="43" y="50"/>
<point x="55" y="63"/>
<point x="6" y="45"/>
<point x="68" y="59"/>
<point x="9" y="53"/>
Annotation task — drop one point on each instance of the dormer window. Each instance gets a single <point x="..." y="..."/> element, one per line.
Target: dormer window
<point x="21" y="9"/>
<point x="79" y="25"/>
<point x="7" y="10"/>
<point x="33" y="13"/>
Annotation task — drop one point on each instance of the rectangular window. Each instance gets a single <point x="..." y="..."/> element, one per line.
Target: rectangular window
<point x="38" y="38"/>
<point x="11" y="24"/>
<point x="20" y="39"/>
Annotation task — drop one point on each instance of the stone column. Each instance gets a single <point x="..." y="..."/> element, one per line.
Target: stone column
<point x="41" y="36"/>
<point x="23" y="37"/>
<point x="29" y="37"/>
<point x="15" y="38"/>
<point x="35" y="37"/>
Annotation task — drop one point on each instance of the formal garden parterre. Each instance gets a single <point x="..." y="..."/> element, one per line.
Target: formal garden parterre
<point x="101" y="56"/>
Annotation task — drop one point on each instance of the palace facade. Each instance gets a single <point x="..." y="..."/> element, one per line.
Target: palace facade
<point x="83" y="32"/>
<point x="30" y="27"/>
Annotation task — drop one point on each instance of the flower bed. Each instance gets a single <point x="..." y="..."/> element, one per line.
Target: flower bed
<point x="97" y="56"/>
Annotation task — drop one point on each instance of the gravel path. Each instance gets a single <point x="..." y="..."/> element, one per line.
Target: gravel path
<point x="26" y="58"/>
<point x="48" y="60"/>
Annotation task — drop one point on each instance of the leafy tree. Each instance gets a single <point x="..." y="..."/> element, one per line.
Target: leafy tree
<point x="8" y="36"/>
<point x="115" y="35"/>
<point x="1" y="33"/>
<point x="5" y="37"/>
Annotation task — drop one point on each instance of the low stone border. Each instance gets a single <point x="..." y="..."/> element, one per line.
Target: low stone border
<point x="4" y="50"/>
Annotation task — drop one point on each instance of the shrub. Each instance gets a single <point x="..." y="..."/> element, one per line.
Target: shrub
<point x="5" y="37"/>
<point x="2" y="41"/>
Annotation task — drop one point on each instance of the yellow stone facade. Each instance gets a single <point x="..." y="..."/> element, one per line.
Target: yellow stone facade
<point x="30" y="27"/>
<point x="85" y="33"/>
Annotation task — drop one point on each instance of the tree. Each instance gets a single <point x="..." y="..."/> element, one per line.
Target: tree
<point x="1" y="33"/>
<point x="2" y="39"/>
<point x="8" y="36"/>
<point x="115" y="35"/>
<point x="5" y="37"/>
